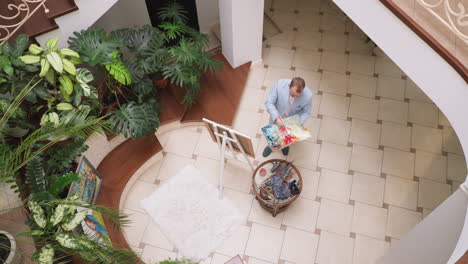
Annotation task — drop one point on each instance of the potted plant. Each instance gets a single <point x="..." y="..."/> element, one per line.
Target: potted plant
<point x="7" y="248"/>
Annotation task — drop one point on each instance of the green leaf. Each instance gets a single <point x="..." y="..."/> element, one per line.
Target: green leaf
<point x="173" y="12"/>
<point x="8" y="70"/>
<point x="69" y="52"/>
<point x="134" y="120"/>
<point x="67" y="84"/>
<point x="143" y="87"/>
<point x="94" y="46"/>
<point x="35" y="175"/>
<point x="45" y="66"/>
<point x="66" y="240"/>
<point x="52" y="43"/>
<point x="84" y="75"/>
<point x="73" y="222"/>
<point x="38" y="213"/>
<point x="46" y="255"/>
<point x="2" y="80"/>
<point x="120" y="72"/>
<point x="61" y="182"/>
<point x="30" y="59"/>
<point x="64" y="106"/>
<point x="35" y="49"/>
<point x="173" y="30"/>
<point x="32" y="233"/>
<point x="59" y="214"/>
<point x="50" y="76"/>
<point x="55" y="60"/>
<point x="20" y="45"/>
<point x="69" y="67"/>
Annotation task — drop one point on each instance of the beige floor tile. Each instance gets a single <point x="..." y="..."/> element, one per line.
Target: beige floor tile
<point x="334" y="157"/>
<point x="334" y="130"/>
<point x="334" y="105"/>
<point x="134" y="231"/>
<point x="250" y="99"/>
<point x="261" y="216"/>
<point x="284" y="39"/>
<point x="366" y="160"/>
<point x="152" y="254"/>
<point x="279" y="57"/>
<point x="237" y="176"/>
<point x="220" y="259"/>
<point x="247" y="122"/>
<point x="431" y="166"/>
<point x="414" y="93"/>
<point x="154" y="237"/>
<point x="335" y="217"/>
<point x="443" y="120"/>
<point x="306" y="59"/>
<point x="401" y="221"/>
<point x="426" y="138"/>
<point x="302" y="214"/>
<point x="313" y="124"/>
<point x="335" y="42"/>
<point x="456" y="168"/>
<point x="368" y="250"/>
<point x="369" y="220"/>
<point x="311" y="78"/>
<point x="257" y="261"/>
<point x="426" y="212"/>
<point x="450" y="141"/>
<point x="335" y="62"/>
<point x="172" y="164"/>
<point x="396" y="136"/>
<point x="284" y="20"/>
<point x="399" y="163"/>
<point x="209" y="168"/>
<point x="393" y="111"/>
<point x="432" y="193"/>
<point x="363" y="64"/>
<point x="335" y="249"/>
<point x="363" y="108"/>
<point x="401" y="192"/>
<point x="139" y="191"/>
<point x="206" y="147"/>
<point x="235" y="245"/>
<point x="362" y="85"/>
<point x="305" y="154"/>
<point x="393" y="88"/>
<point x="274" y="74"/>
<point x="310" y="181"/>
<point x="422" y="113"/>
<point x="335" y="185"/>
<point x="182" y="142"/>
<point x="316" y="101"/>
<point x="275" y="154"/>
<point x="334" y="83"/>
<point x="299" y="246"/>
<point x="368" y="189"/>
<point x="152" y="172"/>
<point x="310" y="41"/>
<point x="384" y="66"/>
<point x="242" y="201"/>
<point x="264" y="243"/>
<point x="256" y="76"/>
<point x="307" y="22"/>
<point x="332" y="23"/>
<point x="365" y="133"/>
<point x="358" y="44"/>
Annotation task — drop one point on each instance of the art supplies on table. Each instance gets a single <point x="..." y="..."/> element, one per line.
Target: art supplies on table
<point x="280" y="137"/>
<point x="280" y="184"/>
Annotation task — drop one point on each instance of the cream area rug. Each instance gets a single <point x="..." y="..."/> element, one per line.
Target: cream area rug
<point x="189" y="212"/>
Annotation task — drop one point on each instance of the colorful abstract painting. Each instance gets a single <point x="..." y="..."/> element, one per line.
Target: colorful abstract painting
<point x="280" y="137"/>
<point x="88" y="187"/>
<point x="94" y="227"/>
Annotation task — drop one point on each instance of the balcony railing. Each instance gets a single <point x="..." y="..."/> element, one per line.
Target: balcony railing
<point x="442" y="24"/>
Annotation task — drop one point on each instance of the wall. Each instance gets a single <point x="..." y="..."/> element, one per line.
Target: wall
<point x="208" y="14"/>
<point x="434" y="239"/>
<point x="241" y="30"/>
<point x="125" y="13"/>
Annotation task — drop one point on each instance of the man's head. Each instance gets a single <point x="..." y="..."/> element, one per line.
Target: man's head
<point x="296" y="86"/>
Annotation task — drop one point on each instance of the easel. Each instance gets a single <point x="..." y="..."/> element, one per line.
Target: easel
<point x="226" y="137"/>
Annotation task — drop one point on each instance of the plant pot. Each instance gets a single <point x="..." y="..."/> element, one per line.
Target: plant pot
<point x="8" y="248"/>
<point x="161" y="84"/>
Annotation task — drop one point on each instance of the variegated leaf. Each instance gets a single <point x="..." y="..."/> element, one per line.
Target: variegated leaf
<point x="66" y="240"/>
<point x="38" y="213"/>
<point x="46" y="255"/>
<point x="71" y="223"/>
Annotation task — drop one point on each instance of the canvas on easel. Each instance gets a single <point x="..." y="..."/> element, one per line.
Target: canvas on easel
<point x="234" y="141"/>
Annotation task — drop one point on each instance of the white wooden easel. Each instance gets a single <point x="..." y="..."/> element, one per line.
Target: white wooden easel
<point x="227" y="138"/>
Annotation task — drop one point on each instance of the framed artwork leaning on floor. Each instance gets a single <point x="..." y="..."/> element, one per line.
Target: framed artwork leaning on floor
<point x="87" y="188"/>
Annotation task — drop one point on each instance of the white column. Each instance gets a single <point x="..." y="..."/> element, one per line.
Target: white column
<point x="241" y="30"/>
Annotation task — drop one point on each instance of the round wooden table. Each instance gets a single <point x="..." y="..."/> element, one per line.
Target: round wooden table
<point x="266" y="199"/>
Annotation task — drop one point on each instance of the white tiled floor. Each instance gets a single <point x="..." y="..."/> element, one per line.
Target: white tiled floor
<point x="382" y="156"/>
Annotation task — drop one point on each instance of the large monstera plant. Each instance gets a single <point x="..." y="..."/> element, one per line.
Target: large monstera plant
<point x="53" y="226"/>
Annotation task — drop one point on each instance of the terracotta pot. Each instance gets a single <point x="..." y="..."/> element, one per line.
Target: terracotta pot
<point x="161" y="84"/>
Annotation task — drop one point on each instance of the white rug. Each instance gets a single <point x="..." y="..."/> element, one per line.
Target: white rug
<point x="188" y="211"/>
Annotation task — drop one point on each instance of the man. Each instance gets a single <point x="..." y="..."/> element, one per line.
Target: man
<point x="288" y="98"/>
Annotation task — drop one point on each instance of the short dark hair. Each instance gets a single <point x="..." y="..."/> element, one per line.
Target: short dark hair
<point x="299" y="83"/>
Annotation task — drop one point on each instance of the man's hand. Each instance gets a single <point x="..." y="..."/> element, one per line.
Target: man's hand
<point x="279" y="121"/>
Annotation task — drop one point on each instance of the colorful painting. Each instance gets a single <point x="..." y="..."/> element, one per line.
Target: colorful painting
<point x="280" y="137"/>
<point x="88" y="186"/>
<point x="94" y="227"/>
